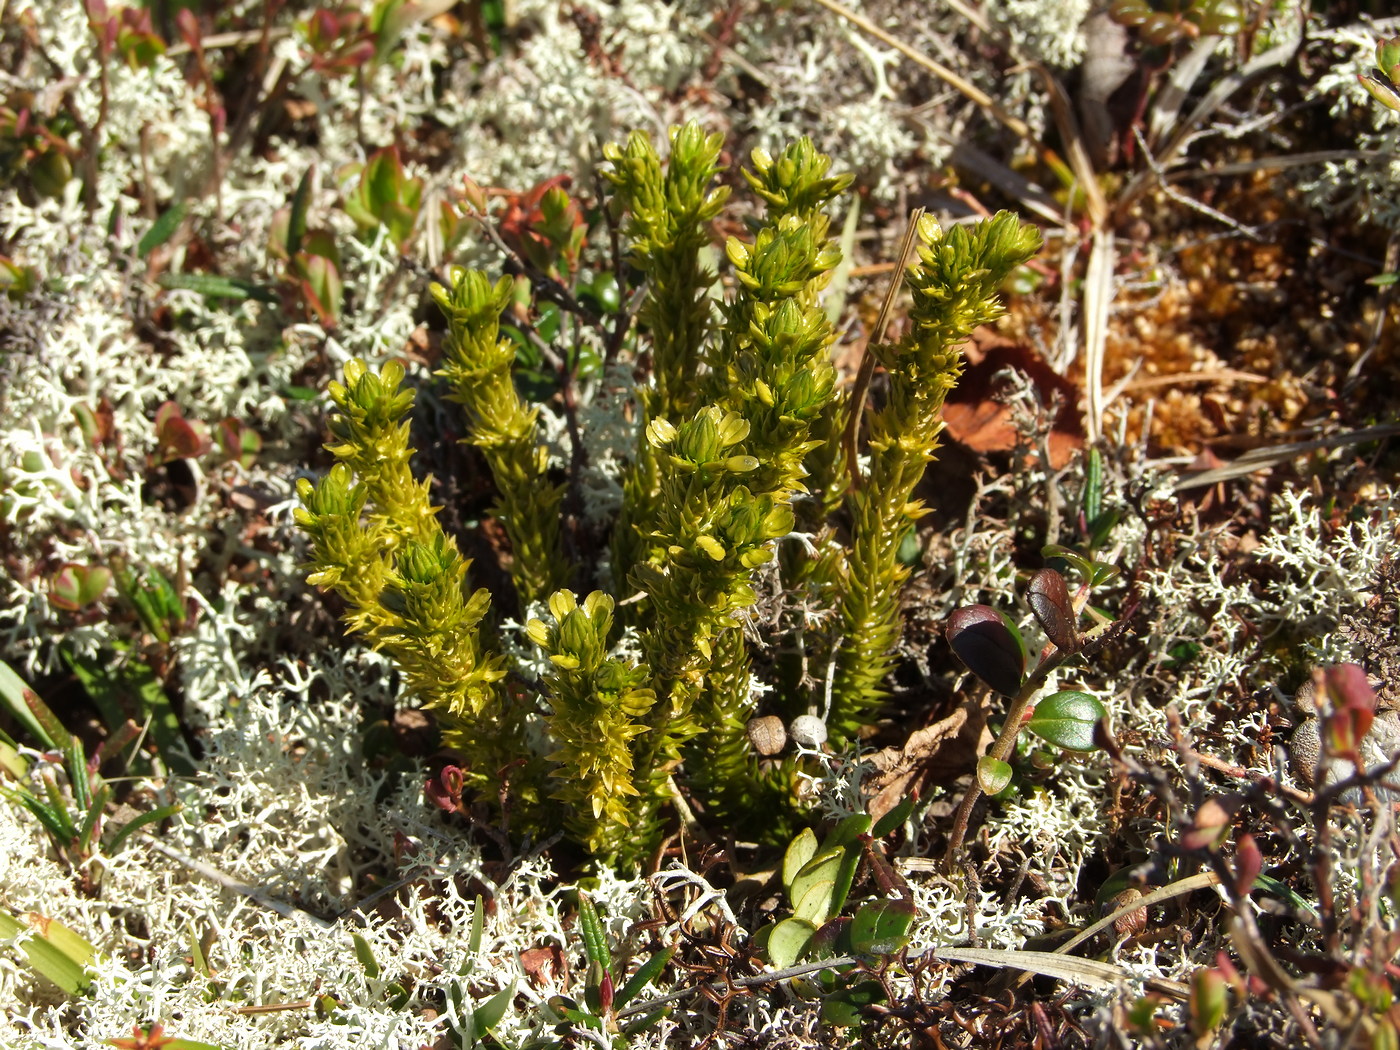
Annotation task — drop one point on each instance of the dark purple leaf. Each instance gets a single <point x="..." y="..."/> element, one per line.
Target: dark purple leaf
<point x="988" y="646"/>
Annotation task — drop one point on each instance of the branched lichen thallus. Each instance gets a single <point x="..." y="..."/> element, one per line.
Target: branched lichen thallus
<point x="738" y="422"/>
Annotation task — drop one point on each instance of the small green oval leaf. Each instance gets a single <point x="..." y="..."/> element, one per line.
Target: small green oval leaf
<point x="788" y="941"/>
<point x="882" y="927"/>
<point x="992" y="775"/>
<point x="800" y="850"/>
<point x="1067" y="719"/>
<point x="815" y="903"/>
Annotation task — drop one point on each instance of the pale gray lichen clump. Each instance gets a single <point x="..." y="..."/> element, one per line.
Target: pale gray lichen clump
<point x="285" y="801"/>
<point x="1367" y="184"/>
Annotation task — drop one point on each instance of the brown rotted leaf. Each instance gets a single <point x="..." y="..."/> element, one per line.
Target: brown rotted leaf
<point x="936" y="754"/>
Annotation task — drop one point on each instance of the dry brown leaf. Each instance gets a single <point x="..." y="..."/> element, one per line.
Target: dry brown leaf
<point x="542" y="965"/>
<point x="937" y="753"/>
<point x="976" y="419"/>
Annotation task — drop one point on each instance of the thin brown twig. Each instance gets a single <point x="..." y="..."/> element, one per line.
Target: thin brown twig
<point x="954" y="80"/>
<point x="1076" y="154"/>
<point x="1001" y="747"/>
<point x="851" y="434"/>
<point x="1216" y="375"/>
<point x="1241" y="773"/>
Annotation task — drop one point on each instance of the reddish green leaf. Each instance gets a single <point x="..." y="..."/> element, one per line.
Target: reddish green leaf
<point x="76" y="586"/>
<point x="1049" y="599"/>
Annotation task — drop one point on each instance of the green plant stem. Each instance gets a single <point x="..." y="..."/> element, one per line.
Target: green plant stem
<point x="478" y="364"/>
<point x="954" y="287"/>
<point x="1001" y="746"/>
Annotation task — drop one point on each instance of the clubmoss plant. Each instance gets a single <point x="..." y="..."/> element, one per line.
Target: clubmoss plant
<point x="377" y="543"/>
<point x="738" y="420"/>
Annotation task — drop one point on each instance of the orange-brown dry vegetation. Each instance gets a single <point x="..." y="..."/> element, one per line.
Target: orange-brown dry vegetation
<point x="1225" y="341"/>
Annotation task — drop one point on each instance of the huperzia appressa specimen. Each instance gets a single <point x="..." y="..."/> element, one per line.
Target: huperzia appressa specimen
<point x="738" y="422"/>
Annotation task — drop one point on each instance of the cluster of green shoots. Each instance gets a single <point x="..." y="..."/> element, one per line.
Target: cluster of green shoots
<point x="751" y="474"/>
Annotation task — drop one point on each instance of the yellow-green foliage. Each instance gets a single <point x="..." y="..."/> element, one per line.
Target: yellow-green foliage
<point x="377" y="543"/>
<point x="478" y="368"/>
<point x="954" y="282"/>
<point x="738" y="415"/>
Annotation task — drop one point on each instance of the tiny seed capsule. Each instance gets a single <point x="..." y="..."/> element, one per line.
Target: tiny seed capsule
<point x="767" y="734"/>
<point x="808" y="730"/>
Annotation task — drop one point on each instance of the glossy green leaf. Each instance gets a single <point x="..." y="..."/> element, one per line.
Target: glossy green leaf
<point x="1067" y="719"/>
<point x="814" y="905"/>
<point x="800" y="850"/>
<point x="163" y="228"/>
<point x="882" y="927"/>
<point x="365" y="954"/>
<point x="843" y="1008"/>
<point x="847" y="831"/>
<point x="1092" y="504"/>
<point x="788" y="941"/>
<point x="296" y="221"/>
<point x="321" y="284"/>
<point x="93" y="810"/>
<point x="126" y="683"/>
<point x="839" y="1013"/>
<point x="76" y="586"/>
<point x="821" y="868"/>
<point x="992" y="775"/>
<point x="646" y="973"/>
<point x="895" y="818"/>
<point x="590" y="927"/>
<point x="845" y="875"/>
<point x="32" y="713"/>
<point x="489" y="1013"/>
<point x="54" y="951"/>
<point x="134" y="825"/>
<point x="10" y="759"/>
<point x="217" y="287"/>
